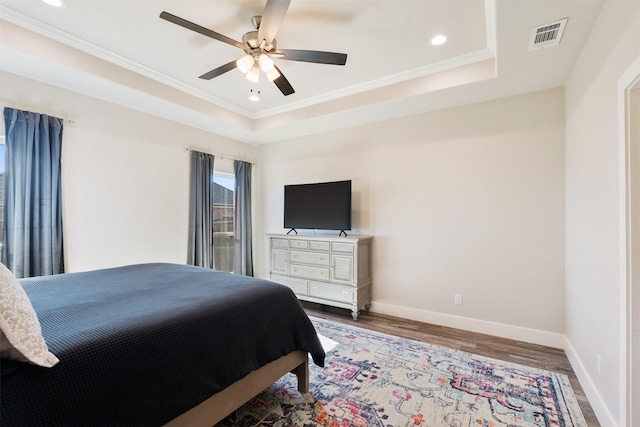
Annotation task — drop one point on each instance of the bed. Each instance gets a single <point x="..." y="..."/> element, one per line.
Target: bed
<point x="155" y="344"/>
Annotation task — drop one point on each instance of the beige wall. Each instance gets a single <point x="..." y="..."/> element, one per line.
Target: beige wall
<point x="468" y="200"/>
<point x="593" y="261"/>
<point x="125" y="176"/>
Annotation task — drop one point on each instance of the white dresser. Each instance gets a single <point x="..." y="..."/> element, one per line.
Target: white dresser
<point x="328" y="270"/>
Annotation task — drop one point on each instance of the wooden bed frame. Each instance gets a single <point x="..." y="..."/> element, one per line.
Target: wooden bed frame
<point x="221" y="404"/>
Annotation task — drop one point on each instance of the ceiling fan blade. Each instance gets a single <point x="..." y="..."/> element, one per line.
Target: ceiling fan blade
<point x="220" y="70"/>
<point x="202" y="30"/>
<point x="315" y="56"/>
<point x="272" y="17"/>
<point x="283" y="84"/>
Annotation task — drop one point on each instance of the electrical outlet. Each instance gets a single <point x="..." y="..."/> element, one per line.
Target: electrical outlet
<point x="598" y="362"/>
<point x="457" y="299"/>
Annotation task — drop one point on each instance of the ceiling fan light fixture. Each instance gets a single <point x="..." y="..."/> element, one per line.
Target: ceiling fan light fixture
<point x="259" y="47"/>
<point x="266" y="63"/>
<point x="273" y="74"/>
<point x="245" y="64"/>
<point x="254" y="74"/>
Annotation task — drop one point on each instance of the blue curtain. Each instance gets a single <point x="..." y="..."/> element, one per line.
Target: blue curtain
<point x="32" y="227"/>
<point x="201" y="211"/>
<point x="243" y="258"/>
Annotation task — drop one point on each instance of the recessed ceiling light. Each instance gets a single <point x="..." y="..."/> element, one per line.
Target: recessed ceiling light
<point x="439" y="39"/>
<point x="54" y="3"/>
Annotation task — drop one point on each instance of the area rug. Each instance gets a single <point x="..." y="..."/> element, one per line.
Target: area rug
<point x="374" y="379"/>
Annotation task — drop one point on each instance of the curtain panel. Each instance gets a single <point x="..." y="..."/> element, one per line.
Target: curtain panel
<point x="201" y="211"/>
<point x="32" y="226"/>
<point x="243" y="255"/>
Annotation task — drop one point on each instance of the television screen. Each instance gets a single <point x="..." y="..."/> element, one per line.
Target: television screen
<point x="323" y="206"/>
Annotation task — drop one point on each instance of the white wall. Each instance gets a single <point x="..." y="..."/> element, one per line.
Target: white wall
<point x="592" y="203"/>
<point x="468" y="200"/>
<point x="125" y="183"/>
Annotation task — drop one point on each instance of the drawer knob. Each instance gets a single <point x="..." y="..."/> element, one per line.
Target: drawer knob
<point x="322" y="258"/>
<point x="345" y="293"/>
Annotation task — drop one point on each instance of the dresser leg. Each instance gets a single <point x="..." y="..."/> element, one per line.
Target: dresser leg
<point x="354" y="314"/>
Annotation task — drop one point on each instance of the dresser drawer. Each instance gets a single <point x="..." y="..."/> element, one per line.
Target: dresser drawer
<point x="315" y="258"/>
<point x="315" y="273"/>
<point x="319" y="246"/>
<point x="279" y="261"/>
<point x="298" y="286"/>
<point x="279" y="243"/>
<point x="299" y="244"/>
<point x="342" y="247"/>
<point x="342" y="268"/>
<point x="332" y="292"/>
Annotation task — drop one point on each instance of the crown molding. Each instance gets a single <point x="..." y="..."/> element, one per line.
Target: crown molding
<point x="488" y="52"/>
<point x="99" y="52"/>
<point x="46" y="30"/>
<point x="416" y="73"/>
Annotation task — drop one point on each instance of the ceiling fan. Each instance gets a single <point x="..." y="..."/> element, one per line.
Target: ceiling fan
<point x="259" y="47"/>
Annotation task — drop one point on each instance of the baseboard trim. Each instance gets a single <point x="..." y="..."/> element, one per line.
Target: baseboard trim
<point x="533" y="336"/>
<point x="590" y="390"/>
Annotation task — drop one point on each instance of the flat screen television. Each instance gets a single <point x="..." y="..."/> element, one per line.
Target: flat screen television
<point x="322" y="206"/>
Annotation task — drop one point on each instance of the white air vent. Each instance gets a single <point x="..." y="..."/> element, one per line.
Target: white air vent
<point x="547" y="35"/>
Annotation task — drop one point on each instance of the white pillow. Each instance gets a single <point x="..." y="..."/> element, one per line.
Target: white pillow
<point x="20" y="333"/>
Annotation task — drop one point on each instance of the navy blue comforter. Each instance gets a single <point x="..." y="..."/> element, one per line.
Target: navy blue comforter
<point x="139" y="345"/>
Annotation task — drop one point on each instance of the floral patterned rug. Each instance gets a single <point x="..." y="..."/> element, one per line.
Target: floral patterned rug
<point x="373" y="379"/>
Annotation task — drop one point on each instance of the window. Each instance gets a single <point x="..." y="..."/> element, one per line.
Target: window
<point x="223" y="236"/>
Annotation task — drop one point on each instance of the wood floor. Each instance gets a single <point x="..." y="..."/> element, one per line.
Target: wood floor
<point x="538" y="356"/>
